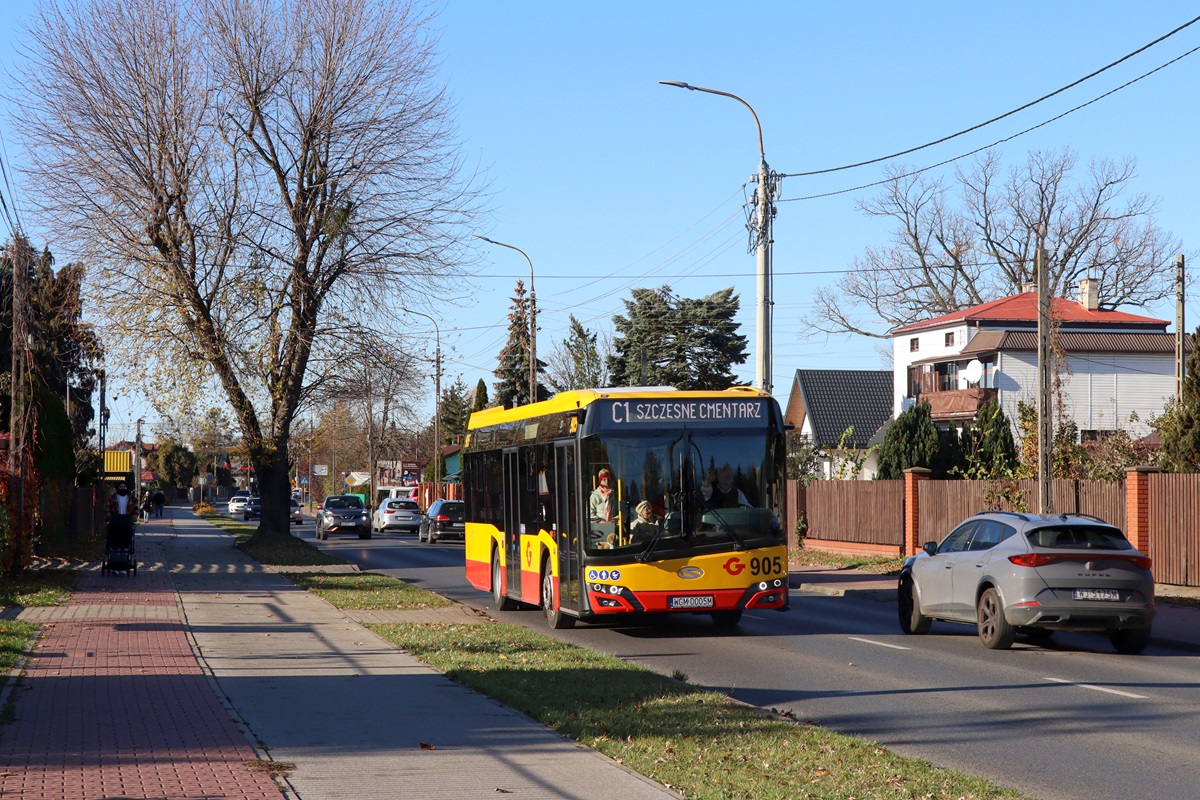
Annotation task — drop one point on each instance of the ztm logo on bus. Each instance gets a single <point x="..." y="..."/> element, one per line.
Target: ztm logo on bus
<point x="734" y="566"/>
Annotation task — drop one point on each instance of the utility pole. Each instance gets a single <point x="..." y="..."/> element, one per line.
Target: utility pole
<point x="1180" y="356"/>
<point x="137" y="460"/>
<point x="1044" y="384"/>
<point x="19" y="406"/>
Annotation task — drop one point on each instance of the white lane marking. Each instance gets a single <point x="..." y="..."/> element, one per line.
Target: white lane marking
<point x="1100" y="689"/>
<point x="881" y="644"/>
<point x="755" y="616"/>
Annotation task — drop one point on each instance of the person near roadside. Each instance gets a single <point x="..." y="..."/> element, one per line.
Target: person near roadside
<point x="121" y="507"/>
<point x="147" y="506"/>
<point x="160" y="500"/>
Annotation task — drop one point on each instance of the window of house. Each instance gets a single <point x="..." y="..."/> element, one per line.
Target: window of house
<point x="950" y="339"/>
<point x="914" y="344"/>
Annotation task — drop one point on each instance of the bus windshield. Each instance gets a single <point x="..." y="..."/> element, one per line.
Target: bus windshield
<point x="671" y="492"/>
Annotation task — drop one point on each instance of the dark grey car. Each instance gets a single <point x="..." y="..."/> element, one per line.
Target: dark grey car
<point x="343" y="513"/>
<point x="444" y="519"/>
<point x="1015" y="574"/>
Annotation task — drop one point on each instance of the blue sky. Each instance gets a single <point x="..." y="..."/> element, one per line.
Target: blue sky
<point x="610" y="181"/>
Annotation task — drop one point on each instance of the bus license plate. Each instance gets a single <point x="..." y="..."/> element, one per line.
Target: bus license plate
<point x="1097" y="594"/>
<point x="693" y="601"/>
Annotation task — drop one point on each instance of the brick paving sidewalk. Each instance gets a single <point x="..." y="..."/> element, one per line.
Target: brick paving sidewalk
<point x="113" y="703"/>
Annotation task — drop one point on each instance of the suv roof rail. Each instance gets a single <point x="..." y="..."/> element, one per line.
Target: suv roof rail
<point x="1063" y="516"/>
<point x="1017" y="514"/>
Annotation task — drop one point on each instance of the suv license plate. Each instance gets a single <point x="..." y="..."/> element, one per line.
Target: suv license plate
<point x="694" y="601"/>
<point x="1097" y="594"/>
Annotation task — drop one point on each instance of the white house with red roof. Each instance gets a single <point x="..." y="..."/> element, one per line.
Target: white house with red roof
<point x="1120" y="366"/>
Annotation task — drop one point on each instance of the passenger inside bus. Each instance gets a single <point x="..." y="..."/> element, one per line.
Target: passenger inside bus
<point x="719" y="491"/>
<point x="647" y="523"/>
<point x="602" y="511"/>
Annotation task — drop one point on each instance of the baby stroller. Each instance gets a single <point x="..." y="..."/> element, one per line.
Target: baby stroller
<point x="118" y="546"/>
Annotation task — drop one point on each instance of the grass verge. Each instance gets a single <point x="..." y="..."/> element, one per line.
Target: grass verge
<point x="881" y="565"/>
<point x="698" y="742"/>
<point x="364" y="591"/>
<point x="16" y="637"/>
<point x="38" y="587"/>
<point x="290" y="552"/>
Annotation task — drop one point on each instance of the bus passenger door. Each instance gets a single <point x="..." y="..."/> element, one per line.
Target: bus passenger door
<point x="512" y="523"/>
<point x="567" y="526"/>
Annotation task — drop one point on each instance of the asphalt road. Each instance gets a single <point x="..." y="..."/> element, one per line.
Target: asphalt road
<point x="1070" y="721"/>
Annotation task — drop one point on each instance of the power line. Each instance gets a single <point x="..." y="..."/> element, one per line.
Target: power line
<point x="1030" y="104"/>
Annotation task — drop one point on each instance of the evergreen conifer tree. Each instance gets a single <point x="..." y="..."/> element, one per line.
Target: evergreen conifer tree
<point x="481" y="396"/>
<point x="688" y="343"/>
<point x="512" y="389"/>
<point x="912" y="440"/>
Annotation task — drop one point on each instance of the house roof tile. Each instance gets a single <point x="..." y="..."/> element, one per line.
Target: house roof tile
<point x="1023" y="308"/>
<point x="836" y="399"/>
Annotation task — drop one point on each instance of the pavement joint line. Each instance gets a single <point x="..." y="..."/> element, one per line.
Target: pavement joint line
<point x="281" y="780"/>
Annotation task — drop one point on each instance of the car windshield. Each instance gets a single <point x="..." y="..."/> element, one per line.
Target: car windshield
<point x="337" y="503"/>
<point x="680" y="490"/>
<point x="1079" y="537"/>
<point x="404" y="505"/>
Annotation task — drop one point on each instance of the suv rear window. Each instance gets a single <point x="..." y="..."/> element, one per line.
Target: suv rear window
<point x="407" y="505"/>
<point x="1079" y="537"/>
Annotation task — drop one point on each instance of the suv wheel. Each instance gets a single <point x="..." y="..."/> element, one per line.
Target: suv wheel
<point x="911" y="618"/>
<point x="994" y="630"/>
<point x="1130" y="641"/>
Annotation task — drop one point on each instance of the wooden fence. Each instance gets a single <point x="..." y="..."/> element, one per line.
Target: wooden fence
<point x="1174" y="510"/>
<point x="870" y="513"/>
<point x="944" y="504"/>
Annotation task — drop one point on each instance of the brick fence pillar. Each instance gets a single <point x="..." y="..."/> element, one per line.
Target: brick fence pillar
<point x="913" y="477"/>
<point x="1137" y="507"/>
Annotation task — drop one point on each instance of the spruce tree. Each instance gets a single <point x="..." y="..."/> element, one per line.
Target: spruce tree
<point x="481" y="396"/>
<point x="455" y="413"/>
<point x="912" y="440"/>
<point x="513" y="368"/>
<point x="688" y="343"/>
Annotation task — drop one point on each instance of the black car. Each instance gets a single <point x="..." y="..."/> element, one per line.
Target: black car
<point x="343" y="513"/>
<point x="253" y="508"/>
<point x="444" y="519"/>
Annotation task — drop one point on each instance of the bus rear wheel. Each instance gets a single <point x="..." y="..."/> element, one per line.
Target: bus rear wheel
<point x="499" y="599"/>
<point x="554" y="616"/>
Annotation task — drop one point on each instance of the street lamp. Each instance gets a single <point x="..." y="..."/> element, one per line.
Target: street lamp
<point x="437" y="399"/>
<point x="765" y="213"/>
<point x="533" y="393"/>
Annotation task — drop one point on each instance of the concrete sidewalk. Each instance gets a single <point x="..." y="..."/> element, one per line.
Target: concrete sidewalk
<point x="205" y="661"/>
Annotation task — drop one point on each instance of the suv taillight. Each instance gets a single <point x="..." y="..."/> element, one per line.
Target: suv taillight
<point x="1042" y="559"/>
<point x="441" y="518"/>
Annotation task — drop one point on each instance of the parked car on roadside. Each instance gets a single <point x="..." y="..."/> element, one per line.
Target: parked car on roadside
<point x="252" y="508"/>
<point x="343" y="513"/>
<point x="396" y="515"/>
<point x="444" y="519"/>
<point x="297" y="512"/>
<point x="1013" y="574"/>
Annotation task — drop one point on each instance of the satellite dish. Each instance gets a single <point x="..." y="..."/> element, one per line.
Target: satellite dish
<point x="974" y="371"/>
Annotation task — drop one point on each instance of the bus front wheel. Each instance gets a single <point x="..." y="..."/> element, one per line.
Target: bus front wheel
<point x="728" y="618"/>
<point x="501" y="602"/>
<point x="554" y="616"/>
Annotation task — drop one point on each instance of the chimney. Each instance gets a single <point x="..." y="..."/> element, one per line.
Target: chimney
<point x="1029" y="287"/>
<point x="1089" y="294"/>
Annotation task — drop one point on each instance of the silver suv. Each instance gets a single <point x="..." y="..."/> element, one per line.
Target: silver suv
<point x="1016" y="574"/>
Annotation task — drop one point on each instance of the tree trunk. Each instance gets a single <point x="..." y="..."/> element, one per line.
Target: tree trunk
<point x="275" y="489"/>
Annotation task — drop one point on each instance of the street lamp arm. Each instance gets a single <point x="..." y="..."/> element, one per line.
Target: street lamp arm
<point x="683" y="85"/>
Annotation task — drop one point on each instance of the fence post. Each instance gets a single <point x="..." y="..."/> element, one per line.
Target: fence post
<point x="1137" y="507"/>
<point x="913" y="477"/>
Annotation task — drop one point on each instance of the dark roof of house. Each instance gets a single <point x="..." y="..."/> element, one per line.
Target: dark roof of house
<point x="1132" y="342"/>
<point x="1023" y="308"/>
<point x="837" y="399"/>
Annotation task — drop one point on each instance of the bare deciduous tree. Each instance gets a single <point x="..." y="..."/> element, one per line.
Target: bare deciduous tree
<point x="942" y="258"/>
<point x="246" y="174"/>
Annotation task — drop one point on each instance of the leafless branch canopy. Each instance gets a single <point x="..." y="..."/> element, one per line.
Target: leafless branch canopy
<point x="945" y="257"/>
<point x="250" y="177"/>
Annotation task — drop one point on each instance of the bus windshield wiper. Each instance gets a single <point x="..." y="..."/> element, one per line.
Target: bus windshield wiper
<point x="645" y="554"/>
<point x="727" y="528"/>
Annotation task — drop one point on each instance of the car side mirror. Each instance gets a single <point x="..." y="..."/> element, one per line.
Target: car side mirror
<point x="930" y="548"/>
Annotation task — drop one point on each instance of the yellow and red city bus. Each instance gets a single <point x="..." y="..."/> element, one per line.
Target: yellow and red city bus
<point x="706" y="468"/>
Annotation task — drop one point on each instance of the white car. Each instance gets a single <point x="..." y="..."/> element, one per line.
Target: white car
<point x="396" y="515"/>
<point x="237" y="504"/>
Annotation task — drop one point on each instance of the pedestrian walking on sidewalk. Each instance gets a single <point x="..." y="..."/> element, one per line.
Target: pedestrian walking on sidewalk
<point x="147" y="506"/>
<point x="159" y="500"/>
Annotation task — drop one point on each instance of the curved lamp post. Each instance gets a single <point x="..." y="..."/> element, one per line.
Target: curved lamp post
<point x="437" y="400"/>
<point x="766" y="213"/>
<point x="533" y="394"/>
